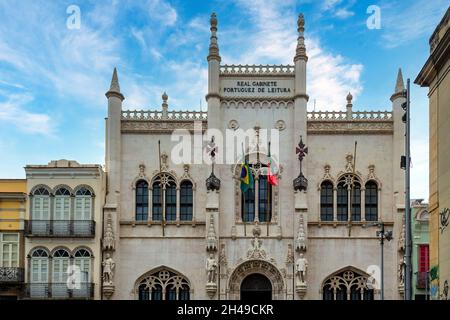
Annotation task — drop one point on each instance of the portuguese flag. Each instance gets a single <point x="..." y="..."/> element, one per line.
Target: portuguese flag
<point x="271" y="169"/>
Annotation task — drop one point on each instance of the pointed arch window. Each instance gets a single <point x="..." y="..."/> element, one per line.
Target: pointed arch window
<point x="156" y="202"/>
<point x="342" y="202"/>
<point x="256" y="203"/>
<point x="164" y="285"/>
<point x="371" y="201"/>
<point x="171" y="201"/>
<point x="264" y="199"/>
<point x="326" y="201"/>
<point x="186" y="200"/>
<point x="141" y="200"/>
<point x="348" y="191"/>
<point x="356" y="202"/>
<point x="164" y="202"/>
<point x="347" y="285"/>
<point x="248" y="205"/>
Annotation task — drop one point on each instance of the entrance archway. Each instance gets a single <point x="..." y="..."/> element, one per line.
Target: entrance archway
<point x="259" y="267"/>
<point x="256" y="287"/>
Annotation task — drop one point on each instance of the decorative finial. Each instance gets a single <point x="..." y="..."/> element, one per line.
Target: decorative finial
<point x="164" y="105"/>
<point x="300" y="53"/>
<point x="301" y="183"/>
<point x="213" y="20"/>
<point x="301" y="23"/>
<point x="349" y="98"/>
<point x="213" y="45"/>
<point x="114" y="88"/>
<point x="212" y="183"/>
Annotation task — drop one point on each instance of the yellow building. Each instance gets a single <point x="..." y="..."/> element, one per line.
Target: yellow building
<point x="435" y="75"/>
<point x="12" y="213"/>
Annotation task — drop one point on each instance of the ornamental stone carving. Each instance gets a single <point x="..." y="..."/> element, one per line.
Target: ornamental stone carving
<point x="263" y="267"/>
<point x="300" y="241"/>
<point x="289" y="255"/>
<point x="256" y="251"/>
<point x="330" y="127"/>
<point x="211" y="239"/>
<point x="233" y="124"/>
<point x="280" y="125"/>
<point x="129" y="126"/>
<point x="108" y="238"/>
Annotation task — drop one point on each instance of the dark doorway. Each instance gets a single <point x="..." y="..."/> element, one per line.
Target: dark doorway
<point x="256" y="287"/>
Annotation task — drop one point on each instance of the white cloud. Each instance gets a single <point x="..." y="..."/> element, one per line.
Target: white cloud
<point x="343" y="13"/>
<point x="405" y="23"/>
<point x="330" y="4"/>
<point x="330" y="76"/>
<point x="13" y="111"/>
<point x="162" y="12"/>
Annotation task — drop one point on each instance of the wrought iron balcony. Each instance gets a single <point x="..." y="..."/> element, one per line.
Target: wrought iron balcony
<point x="59" y="291"/>
<point x="421" y="280"/>
<point x="61" y="228"/>
<point x="11" y="275"/>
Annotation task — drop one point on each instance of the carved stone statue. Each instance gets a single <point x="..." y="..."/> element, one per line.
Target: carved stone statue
<point x="108" y="269"/>
<point x="301" y="265"/>
<point x="211" y="267"/>
<point x="401" y="272"/>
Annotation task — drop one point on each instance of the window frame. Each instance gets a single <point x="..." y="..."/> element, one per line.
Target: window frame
<point x="141" y="200"/>
<point x="326" y="201"/>
<point x="11" y="244"/>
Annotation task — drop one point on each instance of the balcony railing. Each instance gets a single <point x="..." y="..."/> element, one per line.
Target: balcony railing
<point x="59" y="291"/>
<point x="421" y="281"/>
<point x="61" y="228"/>
<point x="11" y="275"/>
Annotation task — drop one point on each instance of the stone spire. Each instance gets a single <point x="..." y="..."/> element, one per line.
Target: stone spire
<point x="213" y="45"/>
<point x="114" y="88"/>
<point x="300" y="53"/>
<point x="399" y="86"/>
<point x="165" y="105"/>
<point x="349" y="106"/>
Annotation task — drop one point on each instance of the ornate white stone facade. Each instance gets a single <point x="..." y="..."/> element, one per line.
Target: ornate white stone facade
<point x="148" y="252"/>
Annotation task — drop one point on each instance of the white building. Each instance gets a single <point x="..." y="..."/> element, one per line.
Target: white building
<point x="164" y="254"/>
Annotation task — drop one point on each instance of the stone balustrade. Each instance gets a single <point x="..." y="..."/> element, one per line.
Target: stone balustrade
<point x="355" y="115"/>
<point x="257" y="69"/>
<point x="161" y="115"/>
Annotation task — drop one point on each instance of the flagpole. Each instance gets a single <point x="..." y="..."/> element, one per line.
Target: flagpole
<point x="243" y="196"/>
<point x="161" y="189"/>
<point x="352" y="192"/>
<point x="269" y="194"/>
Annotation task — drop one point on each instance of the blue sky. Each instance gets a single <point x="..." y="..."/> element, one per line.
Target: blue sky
<point x="53" y="79"/>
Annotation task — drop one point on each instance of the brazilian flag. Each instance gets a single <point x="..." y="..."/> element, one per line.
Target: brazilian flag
<point x="246" y="177"/>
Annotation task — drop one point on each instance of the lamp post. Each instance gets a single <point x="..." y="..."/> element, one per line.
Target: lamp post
<point x="383" y="235"/>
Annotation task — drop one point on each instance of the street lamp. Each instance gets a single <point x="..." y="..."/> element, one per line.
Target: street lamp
<point x="382" y="234"/>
